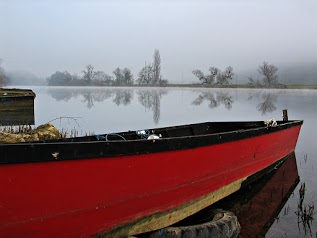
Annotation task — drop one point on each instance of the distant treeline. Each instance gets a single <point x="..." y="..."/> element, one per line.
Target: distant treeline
<point x="91" y="78"/>
<point x="148" y="75"/>
<point x="265" y="76"/>
<point x="268" y="77"/>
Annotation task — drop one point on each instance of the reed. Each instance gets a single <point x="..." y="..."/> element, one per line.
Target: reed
<point x="305" y="212"/>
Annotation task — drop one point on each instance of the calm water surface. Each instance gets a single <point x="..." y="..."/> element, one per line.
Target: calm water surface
<point x="105" y="110"/>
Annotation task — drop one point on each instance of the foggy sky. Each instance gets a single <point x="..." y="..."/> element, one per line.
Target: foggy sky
<point x="45" y="36"/>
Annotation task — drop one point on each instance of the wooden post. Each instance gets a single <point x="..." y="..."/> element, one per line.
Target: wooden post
<point x="285" y="116"/>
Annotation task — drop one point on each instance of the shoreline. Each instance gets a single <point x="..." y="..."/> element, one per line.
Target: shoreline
<point x="246" y="86"/>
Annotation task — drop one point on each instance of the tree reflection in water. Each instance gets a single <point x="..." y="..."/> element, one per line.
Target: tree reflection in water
<point x="95" y="96"/>
<point x="215" y="99"/>
<point x="151" y="99"/>
<point x="88" y="98"/>
<point x="268" y="101"/>
<point x="123" y="97"/>
<point x="267" y="105"/>
<point x="60" y="94"/>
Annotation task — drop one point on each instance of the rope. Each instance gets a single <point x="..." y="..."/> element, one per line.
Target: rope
<point x="106" y="137"/>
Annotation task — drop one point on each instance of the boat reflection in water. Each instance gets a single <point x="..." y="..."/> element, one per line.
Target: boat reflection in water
<point x="259" y="203"/>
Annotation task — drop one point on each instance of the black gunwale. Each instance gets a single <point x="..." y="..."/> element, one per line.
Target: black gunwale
<point x="70" y="149"/>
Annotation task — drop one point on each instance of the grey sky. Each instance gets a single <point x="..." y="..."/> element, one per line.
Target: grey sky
<point x="49" y="35"/>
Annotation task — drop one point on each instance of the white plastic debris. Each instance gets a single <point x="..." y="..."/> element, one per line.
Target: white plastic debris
<point x="141" y="132"/>
<point x="270" y="122"/>
<point x="153" y="137"/>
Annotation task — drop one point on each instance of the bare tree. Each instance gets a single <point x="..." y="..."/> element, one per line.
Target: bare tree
<point x="200" y="75"/>
<point x="215" y="75"/>
<point x="254" y="82"/>
<point x="151" y="74"/>
<point x="268" y="73"/>
<point x="206" y="79"/>
<point x="156" y="67"/>
<point x="101" y="78"/>
<point x="3" y="80"/>
<point x="59" y="78"/>
<point x="123" y="76"/>
<point x="89" y="74"/>
<point x="225" y="77"/>
<point x="118" y="76"/>
<point x="145" y="75"/>
<point x="127" y="76"/>
<point x="214" y="71"/>
<point x="163" y="82"/>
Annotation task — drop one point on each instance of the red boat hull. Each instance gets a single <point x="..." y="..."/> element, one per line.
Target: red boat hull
<point x="83" y="197"/>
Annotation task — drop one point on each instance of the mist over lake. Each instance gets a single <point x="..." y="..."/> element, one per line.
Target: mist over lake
<point x="40" y="38"/>
<point x="99" y="110"/>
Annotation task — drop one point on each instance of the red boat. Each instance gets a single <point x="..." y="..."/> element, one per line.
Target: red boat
<point x="117" y="185"/>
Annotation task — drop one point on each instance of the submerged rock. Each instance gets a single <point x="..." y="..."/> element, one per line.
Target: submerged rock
<point x="43" y="132"/>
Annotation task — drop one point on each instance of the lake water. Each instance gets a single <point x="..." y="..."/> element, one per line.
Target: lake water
<point x="105" y="110"/>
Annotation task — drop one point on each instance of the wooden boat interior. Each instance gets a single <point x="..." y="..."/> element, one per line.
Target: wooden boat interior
<point x="198" y="129"/>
